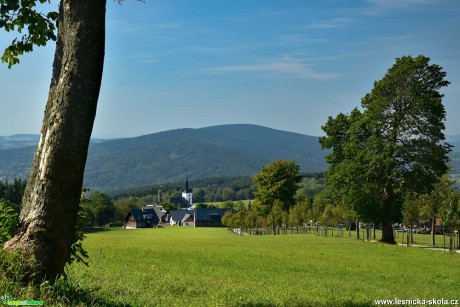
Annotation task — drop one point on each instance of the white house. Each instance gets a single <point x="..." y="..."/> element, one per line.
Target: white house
<point x="182" y="218"/>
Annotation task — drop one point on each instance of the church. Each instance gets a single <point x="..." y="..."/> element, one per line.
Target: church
<point x="186" y="201"/>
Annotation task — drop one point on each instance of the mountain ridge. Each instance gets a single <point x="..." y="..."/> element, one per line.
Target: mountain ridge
<point x="230" y="150"/>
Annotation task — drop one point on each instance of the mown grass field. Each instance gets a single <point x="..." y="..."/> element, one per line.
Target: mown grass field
<point x="214" y="267"/>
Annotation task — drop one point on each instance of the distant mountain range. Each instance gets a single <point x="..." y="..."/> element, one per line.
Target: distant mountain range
<point x="19" y="140"/>
<point x="24" y="140"/>
<point x="171" y="156"/>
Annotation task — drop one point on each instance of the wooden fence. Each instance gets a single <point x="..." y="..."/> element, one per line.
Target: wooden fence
<point x="319" y="230"/>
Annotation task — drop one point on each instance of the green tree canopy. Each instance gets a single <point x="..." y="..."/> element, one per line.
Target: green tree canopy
<point x="35" y="28"/>
<point x="227" y="219"/>
<point x="298" y="215"/>
<point x="394" y="146"/>
<point x="276" y="181"/>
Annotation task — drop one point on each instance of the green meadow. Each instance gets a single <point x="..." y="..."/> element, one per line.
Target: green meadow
<point x="214" y="267"/>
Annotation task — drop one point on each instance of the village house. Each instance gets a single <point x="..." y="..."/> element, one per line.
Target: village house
<point x="182" y="218"/>
<point x="147" y="217"/>
<point x="202" y="217"/>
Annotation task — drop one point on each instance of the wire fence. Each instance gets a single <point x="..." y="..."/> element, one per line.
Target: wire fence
<point x="366" y="233"/>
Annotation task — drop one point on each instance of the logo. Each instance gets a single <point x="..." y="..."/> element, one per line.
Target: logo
<point x="9" y="300"/>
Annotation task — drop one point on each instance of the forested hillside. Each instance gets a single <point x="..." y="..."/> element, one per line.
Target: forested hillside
<point x="171" y="156"/>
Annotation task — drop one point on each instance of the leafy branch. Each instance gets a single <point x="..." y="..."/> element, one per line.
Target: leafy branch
<point x="22" y="16"/>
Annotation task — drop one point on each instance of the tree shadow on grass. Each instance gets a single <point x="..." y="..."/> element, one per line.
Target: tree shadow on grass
<point x="87" y="230"/>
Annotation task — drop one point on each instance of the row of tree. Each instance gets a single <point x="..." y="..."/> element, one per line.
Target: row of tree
<point x="279" y="205"/>
<point x="441" y="204"/>
<point x="305" y="213"/>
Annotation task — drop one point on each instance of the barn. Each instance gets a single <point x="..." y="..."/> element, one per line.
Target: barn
<point x="209" y="217"/>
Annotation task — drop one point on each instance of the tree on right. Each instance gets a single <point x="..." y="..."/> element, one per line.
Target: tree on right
<point x="394" y="146"/>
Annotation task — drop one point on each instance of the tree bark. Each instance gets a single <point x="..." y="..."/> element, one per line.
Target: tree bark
<point x="357" y="229"/>
<point x="52" y="195"/>
<point x="388" y="208"/>
<point x="387" y="233"/>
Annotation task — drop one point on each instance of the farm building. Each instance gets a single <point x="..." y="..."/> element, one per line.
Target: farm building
<point x="205" y="217"/>
<point x="209" y="217"/>
<point x="182" y="217"/>
<point x="150" y="216"/>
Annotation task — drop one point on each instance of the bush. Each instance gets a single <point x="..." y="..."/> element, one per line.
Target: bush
<point x="8" y="221"/>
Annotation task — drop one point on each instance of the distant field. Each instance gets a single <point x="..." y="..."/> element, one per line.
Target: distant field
<point x="221" y="204"/>
<point x="214" y="267"/>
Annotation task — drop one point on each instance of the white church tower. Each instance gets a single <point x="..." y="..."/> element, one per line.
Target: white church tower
<point x="187" y="193"/>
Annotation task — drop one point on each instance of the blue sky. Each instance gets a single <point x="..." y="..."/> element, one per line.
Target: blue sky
<point x="283" y="64"/>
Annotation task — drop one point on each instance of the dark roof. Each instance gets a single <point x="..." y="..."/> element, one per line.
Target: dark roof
<point x="210" y="214"/>
<point x="137" y="214"/>
<point x="144" y="216"/>
<point x="182" y="202"/>
<point x="178" y="215"/>
<point x="159" y="210"/>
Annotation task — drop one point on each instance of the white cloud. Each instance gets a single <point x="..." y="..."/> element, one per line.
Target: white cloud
<point x="330" y="23"/>
<point x="286" y="67"/>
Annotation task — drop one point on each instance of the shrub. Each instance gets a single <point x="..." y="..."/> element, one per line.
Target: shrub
<point x="8" y="221"/>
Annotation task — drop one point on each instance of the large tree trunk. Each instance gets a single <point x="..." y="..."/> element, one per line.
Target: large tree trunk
<point x="51" y="199"/>
<point x="386" y="216"/>
<point x="433" y="231"/>
<point x="357" y="229"/>
<point x="387" y="233"/>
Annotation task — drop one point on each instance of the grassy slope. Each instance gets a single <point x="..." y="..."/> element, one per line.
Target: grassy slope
<point x="209" y="267"/>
